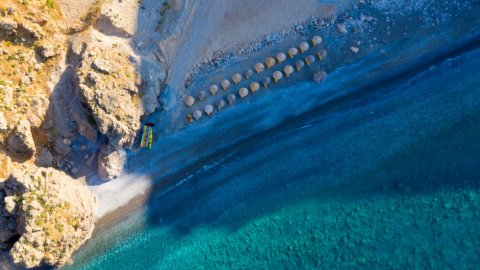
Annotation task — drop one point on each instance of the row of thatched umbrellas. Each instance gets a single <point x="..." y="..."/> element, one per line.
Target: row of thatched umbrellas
<point x="255" y="86"/>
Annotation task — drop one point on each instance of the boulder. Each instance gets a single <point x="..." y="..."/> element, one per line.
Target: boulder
<point x="110" y="164"/>
<point x="7" y="26"/>
<point x="61" y="148"/>
<point x="342" y="28"/>
<point x="10" y="205"/>
<point x="32" y="30"/>
<point x="354" y="49"/>
<point x="47" y="50"/>
<point x="44" y="159"/>
<point x="21" y="141"/>
<point x="104" y="66"/>
<point x="319" y="76"/>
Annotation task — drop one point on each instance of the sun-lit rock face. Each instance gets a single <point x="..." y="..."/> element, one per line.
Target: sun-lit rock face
<point x="108" y="86"/>
<point x="52" y="214"/>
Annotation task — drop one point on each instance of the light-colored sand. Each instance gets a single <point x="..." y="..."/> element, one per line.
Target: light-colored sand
<point x="119" y="192"/>
<point x="229" y="24"/>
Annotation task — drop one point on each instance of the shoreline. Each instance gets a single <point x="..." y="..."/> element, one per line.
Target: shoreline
<point x="110" y="219"/>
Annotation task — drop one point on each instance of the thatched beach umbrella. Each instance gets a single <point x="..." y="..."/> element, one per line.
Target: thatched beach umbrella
<point x="208" y="109"/>
<point x="288" y="70"/>
<point x="303" y="47"/>
<point x="225" y="84"/>
<point x="259" y="67"/>
<point x="254" y="86"/>
<point x="322" y="54"/>
<point x="220" y="104"/>
<point x="316" y="40"/>
<point x="231" y="98"/>
<point x="197" y="114"/>
<point x="266" y="82"/>
<point x="270" y="62"/>
<point x="319" y="76"/>
<point x="299" y="64"/>
<point x="243" y="92"/>
<point x="310" y="59"/>
<point x="281" y="57"/>
<point x="292" y="52"/>
<point x="213" y="89"/>
<point x="202" y="95"/>
<point x="189" y="100"/>
<point x="248" y="74"/>
<point x="277" y="75"/>
<point x="236" y="78"/>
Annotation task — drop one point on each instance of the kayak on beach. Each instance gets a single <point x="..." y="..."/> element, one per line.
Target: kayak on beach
<point x="147" y="135"/>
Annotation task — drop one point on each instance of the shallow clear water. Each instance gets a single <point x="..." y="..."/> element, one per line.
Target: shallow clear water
<point x="385" y="180"/>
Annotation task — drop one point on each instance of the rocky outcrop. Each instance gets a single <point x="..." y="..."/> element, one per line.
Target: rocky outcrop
<point x="7" y="26"/>
<point x="108" y="89"/>
<point x="52" y="213"/>
<point x="20" y="141"/>
<point x="108" y="86"/>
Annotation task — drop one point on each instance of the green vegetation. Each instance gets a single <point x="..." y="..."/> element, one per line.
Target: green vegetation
<point x="50" y="3"/>
<point x="163" y="11"/>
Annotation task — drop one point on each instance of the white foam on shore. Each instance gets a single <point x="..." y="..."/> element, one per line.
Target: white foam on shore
<point x="119" y="192"/>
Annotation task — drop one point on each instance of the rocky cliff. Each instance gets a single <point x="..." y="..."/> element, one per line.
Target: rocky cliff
<point x="51" y="213"/>
<point x="45" y="215"/>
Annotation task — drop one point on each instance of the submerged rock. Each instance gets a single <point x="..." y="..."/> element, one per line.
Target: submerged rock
<point x="319" y="76"/>
<point x="342" y="28"/>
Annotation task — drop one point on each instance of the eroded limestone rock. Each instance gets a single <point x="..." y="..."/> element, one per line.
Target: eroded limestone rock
<point x="52" y="213"/>
<point x="110" y="163"/>
<point x="20" y="141"/>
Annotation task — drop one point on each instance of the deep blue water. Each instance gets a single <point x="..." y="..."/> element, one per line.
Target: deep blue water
<point x="388" y="179"/>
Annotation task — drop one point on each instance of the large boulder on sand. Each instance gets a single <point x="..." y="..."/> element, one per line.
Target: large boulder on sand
<point x="20" y="141"/>
<point x="53" y="215"/>
<point x="110" y="163"/>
